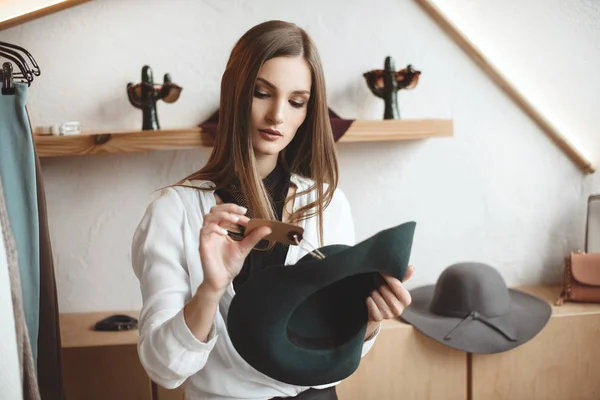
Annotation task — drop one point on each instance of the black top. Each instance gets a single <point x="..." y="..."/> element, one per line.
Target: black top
<point x="277" y="184"/>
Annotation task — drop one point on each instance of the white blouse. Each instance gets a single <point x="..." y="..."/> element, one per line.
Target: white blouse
<point x="166" y="261"/>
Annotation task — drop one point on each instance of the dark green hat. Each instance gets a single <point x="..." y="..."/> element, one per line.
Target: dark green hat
<point x="305" y="324"/>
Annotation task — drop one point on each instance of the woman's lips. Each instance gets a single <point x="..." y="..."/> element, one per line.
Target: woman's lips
<point x="270" y="134"/>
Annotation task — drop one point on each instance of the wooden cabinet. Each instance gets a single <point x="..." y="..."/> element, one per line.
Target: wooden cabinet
<point x="105" y="365"/>
<point x="101" y="365"/>
<point x="104" y="372"/>
<point x="403" y="364"/>
<point x="562" y="362"/>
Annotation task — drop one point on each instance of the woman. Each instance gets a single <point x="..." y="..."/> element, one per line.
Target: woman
<point x="274" y="157"/>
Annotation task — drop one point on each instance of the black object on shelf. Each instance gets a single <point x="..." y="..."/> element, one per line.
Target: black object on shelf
<point x="117" y="322"/>
<point x="385" y="84"/>
<point x="145" y="94"/>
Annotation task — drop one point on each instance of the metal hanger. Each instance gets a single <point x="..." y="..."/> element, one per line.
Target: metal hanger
<point x="7" y="73"/>
<point x="5" y="50"/>
<point x="25" y="73"/>
<point x="36" y="69"/>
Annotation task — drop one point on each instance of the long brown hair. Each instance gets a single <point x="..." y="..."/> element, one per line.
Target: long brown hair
<point x="310" y="154"/>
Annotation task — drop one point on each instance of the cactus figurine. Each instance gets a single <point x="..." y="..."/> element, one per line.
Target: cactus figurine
<point x="145" y="94"/>
<point x="385" y="83"/>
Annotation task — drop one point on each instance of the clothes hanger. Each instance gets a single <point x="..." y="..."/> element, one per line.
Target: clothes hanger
<point x="6" y="50"/>
<point x="25" y="73"/>
<point x="6" y="75"/>
<point x="36" y="69"/>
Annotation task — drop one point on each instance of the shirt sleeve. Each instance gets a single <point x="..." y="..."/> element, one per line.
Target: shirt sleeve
<point x="168" y="350"/>
<point x="370" y="341"/>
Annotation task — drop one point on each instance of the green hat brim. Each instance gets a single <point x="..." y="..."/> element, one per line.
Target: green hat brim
<point x="305" y="324"/>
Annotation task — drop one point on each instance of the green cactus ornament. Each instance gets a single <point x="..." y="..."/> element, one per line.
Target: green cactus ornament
<point x="145" y="94"/>
<point x="385" y="84"/>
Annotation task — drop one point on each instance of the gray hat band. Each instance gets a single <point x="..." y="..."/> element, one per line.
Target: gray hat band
<point x="478" y="317"/>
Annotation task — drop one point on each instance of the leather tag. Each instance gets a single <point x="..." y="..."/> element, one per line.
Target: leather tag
<point x="281" y="231"/>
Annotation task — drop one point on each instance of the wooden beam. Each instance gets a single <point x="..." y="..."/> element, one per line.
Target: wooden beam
<point x="26" y="13"/>
<point x="471" y="50"/>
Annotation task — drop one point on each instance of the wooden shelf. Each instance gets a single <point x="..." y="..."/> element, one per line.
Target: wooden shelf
<point x="118" y="142"/>
<point x="15" y="12"/>
<point x="550" y="293"/>
<point x="395" y="130"/>
<point x="76" y="330"/>
<point x="174" y="139"/>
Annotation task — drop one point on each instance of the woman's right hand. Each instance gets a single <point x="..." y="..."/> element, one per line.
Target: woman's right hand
<point x="222" y="257"/>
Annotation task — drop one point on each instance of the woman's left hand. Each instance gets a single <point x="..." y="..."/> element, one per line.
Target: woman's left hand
<point x="390" y="299"/>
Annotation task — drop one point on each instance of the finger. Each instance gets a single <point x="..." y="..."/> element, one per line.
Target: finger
<point x="222" y="218"/>
<point x="398" y="289"/>
<point x="374" y="313"/>
<point x="239" y="226"/>
<point x="395" y="305"/>
<point x="253" y="238"/>
<point x="381" y="304"/>
<point x="409" y="272"/>
<point x="243" y="220"/>
<point x="229" y="207"/>
<point x="213" y="229"/>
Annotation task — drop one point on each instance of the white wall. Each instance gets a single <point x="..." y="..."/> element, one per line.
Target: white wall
<point x="550" y="50"/>
<point x="499" y="191"/>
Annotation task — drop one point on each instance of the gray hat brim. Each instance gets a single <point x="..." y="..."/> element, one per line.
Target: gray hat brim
<point x="525" y="319"/>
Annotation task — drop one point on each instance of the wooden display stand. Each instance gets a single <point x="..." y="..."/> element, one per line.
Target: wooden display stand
<point x="101" y="365"/>
<point x="561" y="362"/>
<point x="403" y="364"/>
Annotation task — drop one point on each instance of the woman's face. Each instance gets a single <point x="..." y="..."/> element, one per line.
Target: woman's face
<point x="279" y="105"/>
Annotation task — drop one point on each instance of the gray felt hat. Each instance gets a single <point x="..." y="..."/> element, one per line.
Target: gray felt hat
<point x="471" y="309"/>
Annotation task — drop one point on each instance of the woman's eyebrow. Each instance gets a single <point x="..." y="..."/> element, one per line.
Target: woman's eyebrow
<point x="269" y="84"/>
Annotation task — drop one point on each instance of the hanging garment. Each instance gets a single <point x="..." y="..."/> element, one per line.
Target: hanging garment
<point x="10" y="370"/>
<point x="49" y="359"/>
<point x="26" y="363"/>
<point x="17" y="171"/>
